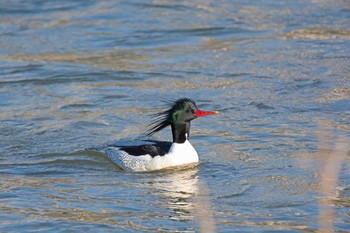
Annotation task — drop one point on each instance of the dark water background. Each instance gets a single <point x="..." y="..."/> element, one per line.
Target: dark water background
<point x="76" y="74"/>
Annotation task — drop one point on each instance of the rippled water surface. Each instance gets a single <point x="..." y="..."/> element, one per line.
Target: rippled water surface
<point x="80" y="74"/>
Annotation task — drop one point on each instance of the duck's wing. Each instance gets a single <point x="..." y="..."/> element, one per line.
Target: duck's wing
<point x="157" y="148"/>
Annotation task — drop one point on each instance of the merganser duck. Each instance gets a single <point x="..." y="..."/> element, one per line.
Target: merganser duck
<point x="155" y="155"/>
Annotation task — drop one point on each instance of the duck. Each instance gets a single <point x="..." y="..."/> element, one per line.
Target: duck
<point x="151" y="155"/>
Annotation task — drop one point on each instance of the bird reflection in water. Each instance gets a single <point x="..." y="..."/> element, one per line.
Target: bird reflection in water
<point x="186" y="195"/>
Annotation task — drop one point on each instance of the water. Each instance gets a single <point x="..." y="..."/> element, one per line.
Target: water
<point x="79" y="74"/>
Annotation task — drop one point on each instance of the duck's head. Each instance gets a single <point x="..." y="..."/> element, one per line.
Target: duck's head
<point x="179" y="116"/>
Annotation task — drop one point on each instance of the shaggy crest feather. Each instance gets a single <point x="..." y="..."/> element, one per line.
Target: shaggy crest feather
<point x="163" y="119"/>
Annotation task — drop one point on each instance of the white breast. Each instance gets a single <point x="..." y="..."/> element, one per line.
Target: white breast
<point x="179" y="154"/>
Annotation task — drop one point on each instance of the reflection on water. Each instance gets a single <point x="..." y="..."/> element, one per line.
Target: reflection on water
<point x="177" y="190"/>
<point x="76" y="75"/>
<point x="186" y="195"/>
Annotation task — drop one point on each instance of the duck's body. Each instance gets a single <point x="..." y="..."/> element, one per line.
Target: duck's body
<point x="156" y="155"/>
<point x="153" y="155"/>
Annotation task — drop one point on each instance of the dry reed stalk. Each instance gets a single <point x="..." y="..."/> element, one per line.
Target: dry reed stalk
<point x="203" y="210"/>
<point x="332" y="158"/>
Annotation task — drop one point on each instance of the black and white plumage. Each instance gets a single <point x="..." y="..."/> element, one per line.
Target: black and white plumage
<point x="156" y="155"/>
